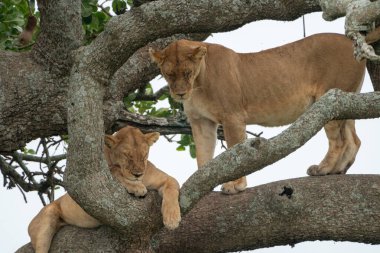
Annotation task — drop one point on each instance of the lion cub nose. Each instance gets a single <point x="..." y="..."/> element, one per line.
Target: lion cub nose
<point x="137" y="174"/>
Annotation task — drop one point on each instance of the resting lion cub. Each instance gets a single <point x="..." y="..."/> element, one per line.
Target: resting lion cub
<point x="270" y="88"/>
<point x="126" y="153"/>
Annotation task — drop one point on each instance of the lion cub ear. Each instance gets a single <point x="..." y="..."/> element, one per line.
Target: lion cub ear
<point x="156" y="56"/>
<point x="198" y="53"/>
<point x="110" y="141"/>
<point x="152" y="137"/>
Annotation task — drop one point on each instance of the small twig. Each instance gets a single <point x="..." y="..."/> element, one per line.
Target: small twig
<point x="23" y="167"/>
<point x="169" y="139"/>
<point x="38" y="159"/>
<point x="42" y="198"/>
<point x="22" y="192"/>
<point x="104" y="10"/>
<point x="253" y="134"/>
<point x="16" y="178"/>
<point x="222" y="144"/>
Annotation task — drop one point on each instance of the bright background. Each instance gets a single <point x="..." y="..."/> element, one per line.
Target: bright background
<point x="15" y="215"/>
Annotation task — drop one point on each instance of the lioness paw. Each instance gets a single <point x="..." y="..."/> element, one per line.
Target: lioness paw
<point x="316" y="170"/>
<point x="171" y="216"/>
<point x="234" y="187"/>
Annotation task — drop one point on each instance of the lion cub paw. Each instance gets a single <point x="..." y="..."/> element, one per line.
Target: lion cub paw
<point x="137" y="189"/>
<point x="171" y="215"/>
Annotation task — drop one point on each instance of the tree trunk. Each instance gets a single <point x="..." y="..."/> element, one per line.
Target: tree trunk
<point x="340" y="208"/>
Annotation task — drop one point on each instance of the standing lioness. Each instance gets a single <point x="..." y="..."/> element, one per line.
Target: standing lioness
<point x="271" y="88"/>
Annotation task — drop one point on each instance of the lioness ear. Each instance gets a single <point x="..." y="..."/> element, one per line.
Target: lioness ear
<point x="156" y="56"/>
<point x="110" y="141"/>
<point x="152" y="137"/>
<point x="198" y="53"/>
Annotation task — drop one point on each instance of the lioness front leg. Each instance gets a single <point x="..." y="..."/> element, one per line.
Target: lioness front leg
<point x="204" y="134"/>
<point x="234" y="133"/>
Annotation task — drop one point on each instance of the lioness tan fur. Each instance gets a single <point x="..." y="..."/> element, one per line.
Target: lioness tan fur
<point x="270" y="88"/>
<point x="126" y="153"/>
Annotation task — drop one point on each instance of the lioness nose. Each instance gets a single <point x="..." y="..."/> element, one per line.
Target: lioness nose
<point x="181" y="94"/>
<point x="137" y="174"/>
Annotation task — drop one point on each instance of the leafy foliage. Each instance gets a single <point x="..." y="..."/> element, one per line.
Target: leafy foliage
<point x="132" y="104"/>
<point x="13" y="17"/>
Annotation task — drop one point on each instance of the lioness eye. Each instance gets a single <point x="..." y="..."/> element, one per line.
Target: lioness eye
<point x="187" y="74"/>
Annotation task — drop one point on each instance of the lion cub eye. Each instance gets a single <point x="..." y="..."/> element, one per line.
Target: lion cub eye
<point x="170" y="75"/>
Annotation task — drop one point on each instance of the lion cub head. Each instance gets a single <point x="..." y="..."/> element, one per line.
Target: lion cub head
<point x="128" y="151"/>
<point x="180" y="63"/>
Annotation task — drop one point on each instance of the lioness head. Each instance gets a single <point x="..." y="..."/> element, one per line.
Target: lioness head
<point x="180" y="65"/>
<point x="128" y="151"/>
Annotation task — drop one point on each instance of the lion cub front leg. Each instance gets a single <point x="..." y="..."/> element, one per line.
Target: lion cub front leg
<point x="136" y="188"/>
<point x="168" y="188"/>
<point x="170" y="207"/>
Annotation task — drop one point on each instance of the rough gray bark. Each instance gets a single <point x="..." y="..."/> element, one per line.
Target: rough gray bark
<point x="78" y="79"/>
<point x="329" y="207"/>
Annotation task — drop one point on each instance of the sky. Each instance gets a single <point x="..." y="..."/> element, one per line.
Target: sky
<point x="15" y="214"/>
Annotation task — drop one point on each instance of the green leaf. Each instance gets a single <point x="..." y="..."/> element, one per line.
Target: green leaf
<point x="181" y="148"/>
<point x="86" y="11"/>
<point x="119" y="6"/>
<point x="193" y="151"/>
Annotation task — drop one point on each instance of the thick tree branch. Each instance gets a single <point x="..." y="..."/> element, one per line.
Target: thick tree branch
<point x="166" y="126"/>
<point x="254" y="154"/>
<point x="87" y="176"/>
<point x="319" y="208"/>
<point x="61" y="33"/>
<point x="32" y="101"/>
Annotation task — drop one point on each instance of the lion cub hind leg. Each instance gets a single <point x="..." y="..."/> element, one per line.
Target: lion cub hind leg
<point x="44" y="226"/>
<point x="343" y="147"/>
